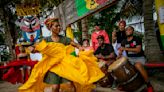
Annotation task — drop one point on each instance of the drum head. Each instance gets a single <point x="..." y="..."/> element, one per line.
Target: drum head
<point x="119" y="62"/>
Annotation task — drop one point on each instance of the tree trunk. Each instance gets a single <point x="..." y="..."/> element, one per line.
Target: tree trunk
<point x="8" y="37"/>
<point x="152" y="50"/>
<point x="84" y="28"/>
<point x="0" y="58"/>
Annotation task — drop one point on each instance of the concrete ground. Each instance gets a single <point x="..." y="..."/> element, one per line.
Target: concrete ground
<point x="157" y="80"/>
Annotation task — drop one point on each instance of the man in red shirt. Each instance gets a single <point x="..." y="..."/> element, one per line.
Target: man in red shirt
<point x="96" y="33"/>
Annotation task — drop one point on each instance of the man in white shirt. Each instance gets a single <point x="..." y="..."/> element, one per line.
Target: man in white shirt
<point x="116" y="46"/>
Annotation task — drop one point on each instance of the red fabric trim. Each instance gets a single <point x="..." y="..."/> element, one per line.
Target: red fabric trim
<point x="13" y="74"/>
<point x="154" y="65"/>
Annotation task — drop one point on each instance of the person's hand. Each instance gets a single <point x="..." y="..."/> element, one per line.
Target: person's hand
<point x="113" y="34"/>
<point x="101" y="56"/>
<point x="119" y="56"/>
<point x="122" y="49"/>
<point x="81" y="48"/>
<point x="98" y="56"/>
<point x="31" y="48"/>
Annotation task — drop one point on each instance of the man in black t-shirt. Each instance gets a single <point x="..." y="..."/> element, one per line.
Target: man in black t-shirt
<point x="105" y="54"/>
<point x="105" y="51"/>
<point x="133" y="47"/>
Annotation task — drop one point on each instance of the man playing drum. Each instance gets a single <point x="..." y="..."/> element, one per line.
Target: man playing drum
<point x="105" y="54"/>
<point x="105" y="51"/>
<point x="133" y="47"/>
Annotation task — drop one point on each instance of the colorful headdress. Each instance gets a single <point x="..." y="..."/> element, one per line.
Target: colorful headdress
<point x="50" y="21"/>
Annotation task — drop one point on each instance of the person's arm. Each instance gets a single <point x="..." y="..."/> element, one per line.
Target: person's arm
<point x="120" y="49"/>
<point x="136" y="50"/>
<point x="31" y="48"/>
<point x="111" y="56"/>
<point x="93" y="45"/>
<point x="97" y="53"/>
<point x="18" y="56"/>
<point x="138" y="47"/>
<point x="99" y="56"/>
<point x="76" y="45"/>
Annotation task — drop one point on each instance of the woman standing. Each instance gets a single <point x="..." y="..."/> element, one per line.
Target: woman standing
<point x="58" y="65"/>
<point x="50" y="77"/>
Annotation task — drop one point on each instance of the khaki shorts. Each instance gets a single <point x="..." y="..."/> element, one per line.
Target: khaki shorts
<point x="134" y="60"/>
